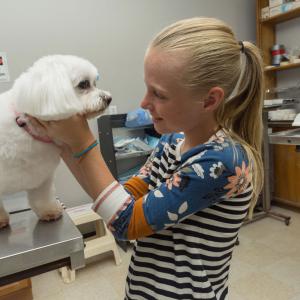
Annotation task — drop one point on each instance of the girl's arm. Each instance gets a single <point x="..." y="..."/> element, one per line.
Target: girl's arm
<point x="91" y="171"/>
<point x="72" y="165"/>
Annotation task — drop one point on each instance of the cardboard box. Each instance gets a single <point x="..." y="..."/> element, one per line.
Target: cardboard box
<point x="273" y="3"/>
<point x="17" y="290"/>
<point x="265" y="12"/>
<point x="274" y="11"/>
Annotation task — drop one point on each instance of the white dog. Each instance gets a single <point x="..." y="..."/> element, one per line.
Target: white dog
<point x="55" y="87"/>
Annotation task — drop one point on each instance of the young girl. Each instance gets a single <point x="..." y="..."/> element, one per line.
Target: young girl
<point x="185" y="207"/>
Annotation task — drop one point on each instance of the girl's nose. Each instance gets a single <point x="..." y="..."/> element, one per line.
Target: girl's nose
<point x="145" y="103"/>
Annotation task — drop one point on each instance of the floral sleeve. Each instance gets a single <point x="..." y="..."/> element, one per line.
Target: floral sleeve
<point x="193" y="188"/>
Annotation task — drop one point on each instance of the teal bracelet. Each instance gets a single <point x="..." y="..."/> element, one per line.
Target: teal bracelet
<point x="79" y="154"/>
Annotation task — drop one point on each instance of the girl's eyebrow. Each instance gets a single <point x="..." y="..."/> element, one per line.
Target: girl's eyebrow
<point x="155" y="86"/>
<point x="158" y="88"/>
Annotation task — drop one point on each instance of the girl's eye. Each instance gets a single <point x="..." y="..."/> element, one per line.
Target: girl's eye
<point x="158" y="95"/>
<point x="83" y="85"/>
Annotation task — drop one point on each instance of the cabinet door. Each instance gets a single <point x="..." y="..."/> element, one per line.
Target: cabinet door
<point x="17" y="290"/>
<point x="286" y="174"/>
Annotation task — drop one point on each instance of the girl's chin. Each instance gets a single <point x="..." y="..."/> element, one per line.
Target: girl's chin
<point x="157" y="120"/>
<point x="159" y="128"/>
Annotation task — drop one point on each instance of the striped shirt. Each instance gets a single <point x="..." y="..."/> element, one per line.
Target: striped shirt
<point x="185" y="212"/>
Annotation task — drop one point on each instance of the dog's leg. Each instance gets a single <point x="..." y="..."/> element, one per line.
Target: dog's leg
<point x="43" y="202"/>
<point x="4" y="217"/>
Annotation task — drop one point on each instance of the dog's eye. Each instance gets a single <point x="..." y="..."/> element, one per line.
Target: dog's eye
<point x="83" y="85"/>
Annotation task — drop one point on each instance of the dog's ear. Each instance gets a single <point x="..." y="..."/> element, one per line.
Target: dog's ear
<point x="45" y="91"/>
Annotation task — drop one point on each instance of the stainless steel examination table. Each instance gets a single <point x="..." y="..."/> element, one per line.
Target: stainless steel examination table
<point x="29" y="247"/>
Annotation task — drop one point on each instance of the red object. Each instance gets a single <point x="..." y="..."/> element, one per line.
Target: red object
<point x="1" y="60"/>
<point x="279" y="51"/>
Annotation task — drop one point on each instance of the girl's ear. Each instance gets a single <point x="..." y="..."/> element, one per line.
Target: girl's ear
<point x="46" y="92"/>
<point x="213" y="99"/>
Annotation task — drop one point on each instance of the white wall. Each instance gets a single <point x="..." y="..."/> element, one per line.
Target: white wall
<point x="113" y="34"/>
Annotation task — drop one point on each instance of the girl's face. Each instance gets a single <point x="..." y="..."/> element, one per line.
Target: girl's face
<point x="173" y="107"/>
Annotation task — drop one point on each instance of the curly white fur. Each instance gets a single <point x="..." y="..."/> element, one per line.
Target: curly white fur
<point x="55" y="87"/>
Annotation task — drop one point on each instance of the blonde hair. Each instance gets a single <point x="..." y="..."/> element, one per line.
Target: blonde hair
<point x="215" y="58"/>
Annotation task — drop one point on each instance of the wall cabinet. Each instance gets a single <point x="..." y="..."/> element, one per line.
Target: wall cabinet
<point x="286" y="158"/>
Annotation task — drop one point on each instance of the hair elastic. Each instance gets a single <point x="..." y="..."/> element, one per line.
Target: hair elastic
<point x="242" y="46"/>
<point x="81" y="153"/>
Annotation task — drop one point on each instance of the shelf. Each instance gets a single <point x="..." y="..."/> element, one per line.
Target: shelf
<point x="272" y="106"/>
<point x="294" y="13"/>
<point x="136" y="128"/>
<point x="283" y="67"/>
<point x="132" y="155"/>
<point x="282" y="124"/>
<point x="286" y="137"/>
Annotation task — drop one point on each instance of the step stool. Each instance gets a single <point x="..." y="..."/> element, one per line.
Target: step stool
<point x="102" y="242"/>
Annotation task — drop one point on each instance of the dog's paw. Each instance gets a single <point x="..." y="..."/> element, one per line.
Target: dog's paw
<point x="4" y="219"/>
<point x="52" y="212"/>
<point x="50" y="216"/>
<point x="4" y="223"/>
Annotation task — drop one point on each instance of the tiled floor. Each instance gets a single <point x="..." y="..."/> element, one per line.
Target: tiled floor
<point x="265" y="266"/>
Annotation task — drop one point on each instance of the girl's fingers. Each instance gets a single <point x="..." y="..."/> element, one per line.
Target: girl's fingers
<point x="70" y="131"/>
<point x="40" y="123"/>
<point x="35" y="122"/>
<point x="43" y="123"/>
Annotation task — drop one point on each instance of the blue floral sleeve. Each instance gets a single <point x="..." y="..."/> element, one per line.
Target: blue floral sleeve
<point x="210" y="178"/>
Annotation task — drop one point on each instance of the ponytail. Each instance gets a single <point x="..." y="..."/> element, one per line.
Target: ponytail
<point x="241" y="114"/>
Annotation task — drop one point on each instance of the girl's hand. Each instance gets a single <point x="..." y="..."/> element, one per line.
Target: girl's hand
<point x="74" y="131"/>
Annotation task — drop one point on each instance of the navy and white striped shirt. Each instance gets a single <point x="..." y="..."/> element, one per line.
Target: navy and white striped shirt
<point x="189" y="254"/>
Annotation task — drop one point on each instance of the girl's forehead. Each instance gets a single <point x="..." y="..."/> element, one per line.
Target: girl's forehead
<point x="174" y="57"/>
<point x="164" y="63"/>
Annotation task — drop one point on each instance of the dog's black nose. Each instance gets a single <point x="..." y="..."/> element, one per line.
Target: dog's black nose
<point x="108" y="99"/>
